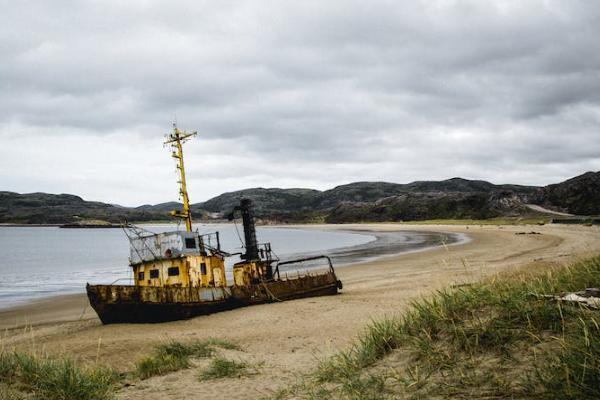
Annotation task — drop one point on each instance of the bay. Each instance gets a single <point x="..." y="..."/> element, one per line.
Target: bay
<point x="48" y="261"/>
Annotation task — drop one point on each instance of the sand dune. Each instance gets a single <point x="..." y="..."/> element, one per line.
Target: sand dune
<point x="288" y="338"/>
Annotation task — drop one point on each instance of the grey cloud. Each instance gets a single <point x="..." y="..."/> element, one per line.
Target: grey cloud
<point x="314" y="93"/>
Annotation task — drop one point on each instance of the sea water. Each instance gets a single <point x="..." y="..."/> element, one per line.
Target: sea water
<point x="40" y="262"/>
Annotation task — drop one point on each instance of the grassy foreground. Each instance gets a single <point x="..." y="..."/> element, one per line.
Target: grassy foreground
<point x="496" y="339"/>
<point x="23" y="376"/>
<point x="34" y="377"/>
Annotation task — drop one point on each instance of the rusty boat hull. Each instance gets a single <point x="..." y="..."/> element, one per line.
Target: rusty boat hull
<point x="147" y="304"/>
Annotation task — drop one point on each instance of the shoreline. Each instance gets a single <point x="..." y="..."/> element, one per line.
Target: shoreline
<point x="301" y="332"/>
<point x="54" y="307"/>
<point x="342" y="257"/>
<point x="47" y="310"/>
<point x="460" y="240"/>
<point x="62" y="307"/>
<point x="384" y="244"/>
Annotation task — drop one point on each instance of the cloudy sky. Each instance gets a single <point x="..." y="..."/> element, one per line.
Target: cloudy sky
<point x="294" y="94"/>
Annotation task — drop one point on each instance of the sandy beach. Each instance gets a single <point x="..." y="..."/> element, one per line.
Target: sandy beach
<point x="285" y="340"/>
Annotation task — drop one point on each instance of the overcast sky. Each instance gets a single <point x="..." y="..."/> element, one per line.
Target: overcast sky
<point x="294" y="94"/>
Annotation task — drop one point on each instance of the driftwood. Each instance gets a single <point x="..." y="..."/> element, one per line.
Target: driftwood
<point x="590" y="297"/>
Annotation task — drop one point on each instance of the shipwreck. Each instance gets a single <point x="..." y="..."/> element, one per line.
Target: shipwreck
<point x="181" y="274"/>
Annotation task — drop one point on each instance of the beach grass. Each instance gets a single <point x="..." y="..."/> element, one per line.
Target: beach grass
<point x="221" y="367"/>
<point x="494" y="339"/>
<point x="25" y="376"/>
<point x="174" y="355"/>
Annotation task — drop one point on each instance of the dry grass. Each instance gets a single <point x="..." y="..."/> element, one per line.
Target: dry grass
<point x="495" y="339"/>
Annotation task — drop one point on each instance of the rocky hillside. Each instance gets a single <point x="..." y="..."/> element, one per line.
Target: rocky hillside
<point x="579" y="195"/>
<point x="433" y="205"/>
<point x="381" y="201"/>
<point x="43" y="208"/>
<point x="164" y="207"/>
<point x="289" y="200"/>
<point x="360" y="201"/>
<point x="266" y="201"/>
<point x="461" y="199"/>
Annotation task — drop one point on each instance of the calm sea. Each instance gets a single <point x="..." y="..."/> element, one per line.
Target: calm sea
<point x="46" y="261"/>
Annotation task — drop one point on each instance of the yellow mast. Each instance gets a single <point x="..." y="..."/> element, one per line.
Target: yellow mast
<point x="176" y="139"/>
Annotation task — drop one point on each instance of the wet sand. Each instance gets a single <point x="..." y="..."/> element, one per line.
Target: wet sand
<point x="287" y="338"/>
<point x="390" y="243"/>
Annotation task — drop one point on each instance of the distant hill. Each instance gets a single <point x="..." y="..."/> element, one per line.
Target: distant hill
<point x="374" y="191"/>
<point x="43" y="208"/>
<point x="266" y="201"/>
<point x="376" y="201"/>
<point x="168" y="206"/>
<point x="460" y="185"/>
<point x="433" y="205"/>
<point x="579" y="195"/>
<point x="359" y="201"/>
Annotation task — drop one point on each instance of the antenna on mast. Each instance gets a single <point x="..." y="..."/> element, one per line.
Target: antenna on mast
<point x="175" y="139"/>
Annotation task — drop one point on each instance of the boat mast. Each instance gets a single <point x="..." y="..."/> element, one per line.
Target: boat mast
<point x="176" y="139"/>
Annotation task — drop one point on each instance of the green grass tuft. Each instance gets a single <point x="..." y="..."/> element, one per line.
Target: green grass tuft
<point x="160" y="364"/>
<point x="55" y="379"/>
<point x="223" y="368"/>
<point x="572" y="372"/>
<point x="173" y="356"/>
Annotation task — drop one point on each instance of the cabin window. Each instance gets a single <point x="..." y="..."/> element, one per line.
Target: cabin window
<point x="190" y="243"/>
<point x="203" y="269"/>
<point x="173" y="271"/>
<point x="153" y="274"/>
<point x="141" y="276"/>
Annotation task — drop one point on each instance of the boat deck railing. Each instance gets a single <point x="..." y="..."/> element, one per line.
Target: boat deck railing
<point x="301" y="260"/>
<point x="121" y="279"/>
